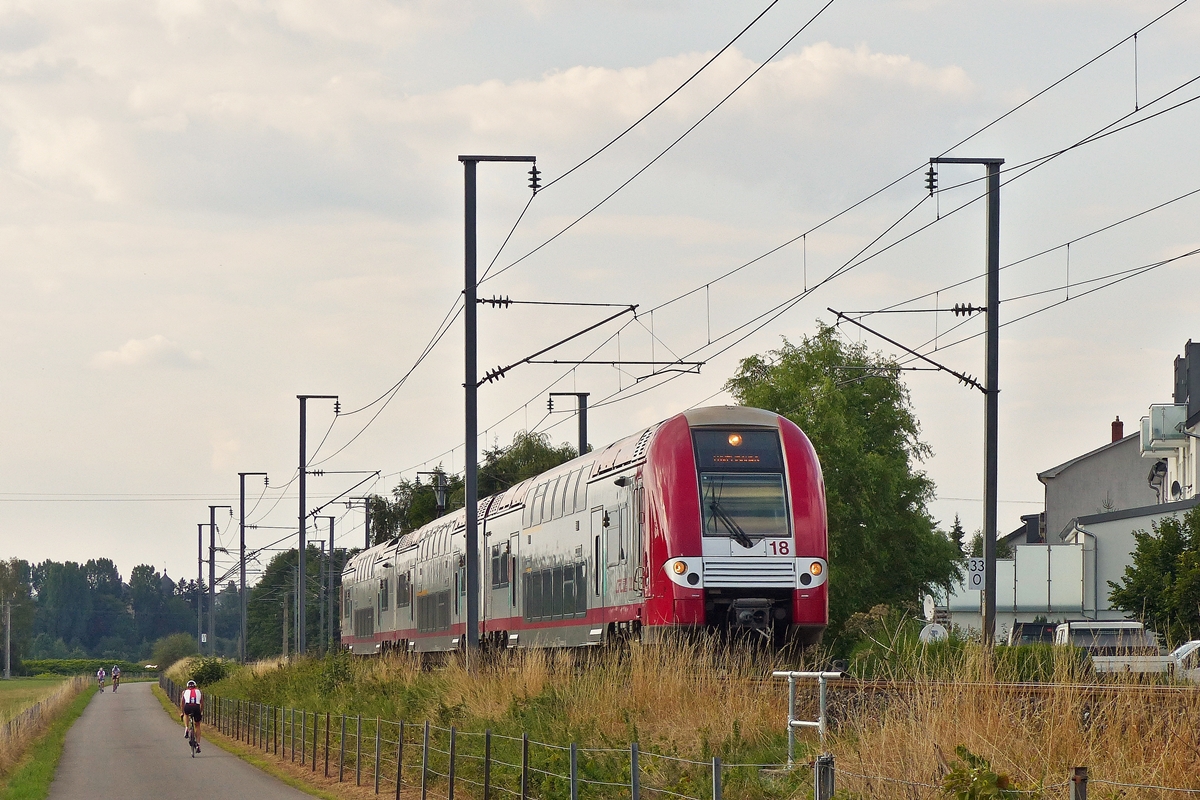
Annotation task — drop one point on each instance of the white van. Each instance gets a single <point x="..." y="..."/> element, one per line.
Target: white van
<point x="1116" y="646"/>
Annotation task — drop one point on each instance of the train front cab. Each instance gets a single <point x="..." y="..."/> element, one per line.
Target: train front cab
<point x="735" y="511"/>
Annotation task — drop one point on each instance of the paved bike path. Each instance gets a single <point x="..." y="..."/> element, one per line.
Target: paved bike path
<point x="125" y="747"/>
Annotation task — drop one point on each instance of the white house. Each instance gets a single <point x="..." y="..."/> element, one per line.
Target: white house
<point x="1093" y="505"/>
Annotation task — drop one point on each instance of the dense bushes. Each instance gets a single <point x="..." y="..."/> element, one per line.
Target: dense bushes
<point x="170" y="649"/>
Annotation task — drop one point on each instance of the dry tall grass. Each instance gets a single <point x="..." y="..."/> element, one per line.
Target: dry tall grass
<point x="1124" y="731"/>
<point x="694" y="700"/>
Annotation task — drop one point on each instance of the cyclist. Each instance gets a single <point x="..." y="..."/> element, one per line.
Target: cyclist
<point x="100" y="678"/>
<point x="191" y="704"/>
<point x="116" y="676"/>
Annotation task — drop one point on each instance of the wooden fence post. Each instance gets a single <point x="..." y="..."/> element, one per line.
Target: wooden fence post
<point x="377" y="755"/>
<point x="635" y="773"/>
<point x="487" y="764"/>
<point x="524" y="766"/>
<point x="1079" y="782"/>
<point x="399" y="759"/>
<point x="425" y="762"/>
<point x="342" y="750"/>
<point x="326" y="744"/>
<point x="358" y="751"/>
<point x="450" y="771"/>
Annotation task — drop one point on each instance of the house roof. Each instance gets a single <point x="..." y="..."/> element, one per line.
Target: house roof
<point x="1129" y="513"/>
<point x="1054" y="472"/>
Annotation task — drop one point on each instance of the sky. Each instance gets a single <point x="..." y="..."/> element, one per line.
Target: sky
<point x="210" y="207"/>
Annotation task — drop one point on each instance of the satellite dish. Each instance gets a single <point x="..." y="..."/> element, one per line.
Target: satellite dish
<point x="929" y="608"/>
<point x="1176" y="489"/>
<point x="933" y="632"/>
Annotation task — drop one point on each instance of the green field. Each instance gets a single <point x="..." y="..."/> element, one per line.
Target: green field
<point x="20" y="693"/>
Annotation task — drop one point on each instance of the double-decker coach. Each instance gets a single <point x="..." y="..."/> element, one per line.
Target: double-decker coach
<point x="712" y="519"/>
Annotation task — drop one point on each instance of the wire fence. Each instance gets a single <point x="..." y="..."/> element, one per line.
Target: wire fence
<point x="32" y="718"/>
<point x="393" y="756"/>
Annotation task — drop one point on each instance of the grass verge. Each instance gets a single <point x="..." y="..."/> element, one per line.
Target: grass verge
<point x="283" y="771"/>
<point x="33" y="774"/>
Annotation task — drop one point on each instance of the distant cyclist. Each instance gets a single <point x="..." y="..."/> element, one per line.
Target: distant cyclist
<point x="100" y="678"/>
<point x="191" y="704"/>
<point x="116" y="676"/>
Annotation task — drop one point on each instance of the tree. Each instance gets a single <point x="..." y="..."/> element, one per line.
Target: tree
<point x="957" y="533"/>
<point x="884" y="546"/>
<point x="1162" y="585"/>
<point x="1004" y="549"/>
<point x="16" y="588"/>
<point x="529" y="454"/>
<point x="275" y="591"/>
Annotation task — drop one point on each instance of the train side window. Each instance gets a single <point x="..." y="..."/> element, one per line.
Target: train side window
<point x="581" y="589"/>
<point x="613" y="540"/>
<point x="567" y="492"/>
<point x="596" y="561"/>
<point x="555" y="507"/>
<point x="383" y="594"/>
<point x="500" y="563"/>
<point x="581" y="488"/>
<point x="402" y="590"/>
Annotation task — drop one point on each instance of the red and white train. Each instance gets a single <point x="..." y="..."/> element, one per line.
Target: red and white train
<point x="713" y="519"/>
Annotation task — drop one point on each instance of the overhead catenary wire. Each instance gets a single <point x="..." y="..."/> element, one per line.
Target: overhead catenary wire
<point x="667" y="149"/>
<point x="801" y="237"/>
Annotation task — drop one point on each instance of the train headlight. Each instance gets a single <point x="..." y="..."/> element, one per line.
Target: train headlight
<point x="735" y="439"/>
<point x="679" y="567"/>
<point x="815" y="568"/>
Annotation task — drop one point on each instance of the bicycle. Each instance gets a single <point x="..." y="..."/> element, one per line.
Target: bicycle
<point x="116" y="682"/>
<point x="190" y="733"/>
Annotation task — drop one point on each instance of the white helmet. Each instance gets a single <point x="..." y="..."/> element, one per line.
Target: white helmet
<point x="191" y="685"/>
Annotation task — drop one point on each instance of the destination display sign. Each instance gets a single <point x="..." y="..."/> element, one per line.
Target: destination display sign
<point x="734" y="450"/>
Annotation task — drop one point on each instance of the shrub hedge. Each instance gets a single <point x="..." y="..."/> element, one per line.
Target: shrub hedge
<point x="77" y="666"/>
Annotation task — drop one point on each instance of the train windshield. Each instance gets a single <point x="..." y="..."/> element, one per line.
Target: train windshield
<point x="743" y="507"/>
<point x="742" y="493"/>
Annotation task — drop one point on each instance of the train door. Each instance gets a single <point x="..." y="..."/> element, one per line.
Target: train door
<point x="637" y="541"/>
<point x="599" y="570"/>
<point x="615" y="522"/>
<point x="514" y="544"/>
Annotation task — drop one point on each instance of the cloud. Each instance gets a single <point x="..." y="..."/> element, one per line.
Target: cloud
<point x="155" y="352"/>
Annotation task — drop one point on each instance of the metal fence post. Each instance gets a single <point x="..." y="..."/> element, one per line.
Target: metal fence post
<point x="487" y="764"/>
<point x="377" y="755"/>
<point x="342" y="750"/>
<point x="358" y="750"/>
<point x="327" y="718"/>
<point x="716" y="778"/>
<point x="574" y="772"/>
<point x="823" y="777"/>
<point x="399" y="759"/>
<point x="524" y="766"/>
<point x="450" y="772"/>
<point x="791" y="718"/>
<point x="635" y="773"/>
<point x="822" y="693"/>
<point x="1079" y="782"/>
<point x="425" y="762"/>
